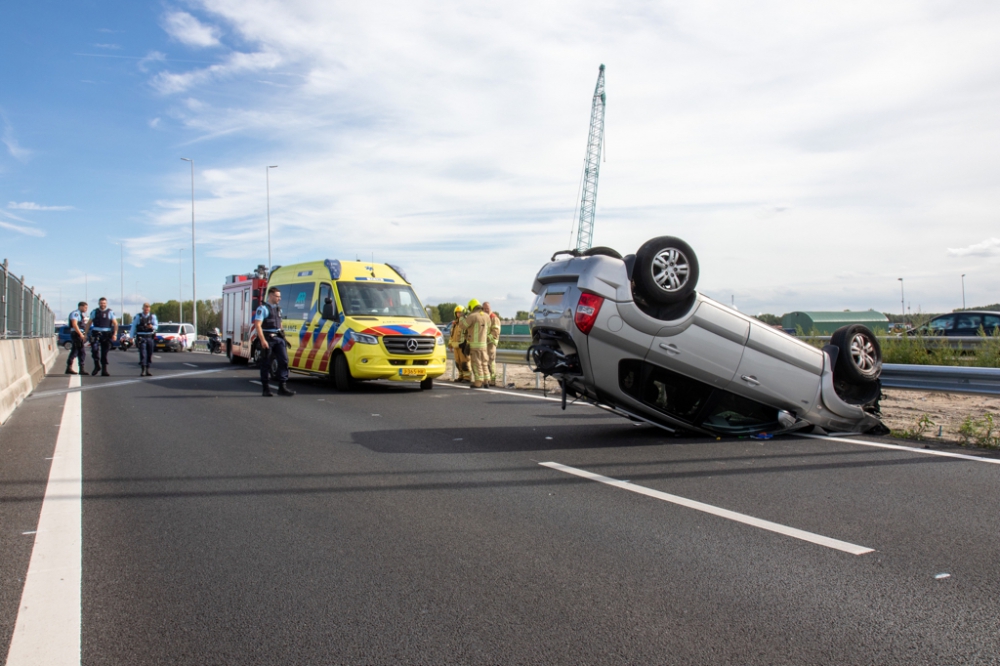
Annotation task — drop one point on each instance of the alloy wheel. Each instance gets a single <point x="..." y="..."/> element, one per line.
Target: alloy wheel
<point x="671" y="269"/>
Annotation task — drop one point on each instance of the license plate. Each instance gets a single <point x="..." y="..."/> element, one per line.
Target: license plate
<point x="411" y="372"/>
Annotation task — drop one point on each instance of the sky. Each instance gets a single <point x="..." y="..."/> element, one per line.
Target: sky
<point x="811" y="153"/>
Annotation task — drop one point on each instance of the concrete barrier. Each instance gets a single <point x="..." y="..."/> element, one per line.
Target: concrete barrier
<point x="23" y="364"/>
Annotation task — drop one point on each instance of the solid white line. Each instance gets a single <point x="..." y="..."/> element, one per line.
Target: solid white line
<point x="715" y="511"/>
<point x="91" y="387"/>
<point x="910" y="449"/>
<point x="47" y="630"/>
<point x="191" y="364"/>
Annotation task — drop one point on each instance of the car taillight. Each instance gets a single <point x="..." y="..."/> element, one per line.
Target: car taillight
<point x="586" y="312"/>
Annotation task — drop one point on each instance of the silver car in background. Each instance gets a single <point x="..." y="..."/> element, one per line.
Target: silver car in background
<point x="632" y="335"/>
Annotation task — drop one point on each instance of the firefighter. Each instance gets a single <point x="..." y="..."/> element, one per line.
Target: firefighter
<point x="103" y="328"/>
<point x="78" y="337"/>
<point x="144" y="333"/>
<point x="460" y="348"/>
<point x="267" y="321"/>
<point x="476" y="325"/>
<point x="491" y="341"/>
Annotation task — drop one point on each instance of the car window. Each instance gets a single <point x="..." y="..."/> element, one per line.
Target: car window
<point x="968" y="321"/>
<point x="991" y="323"/>
<point x="941" y="323"/>
<point x="669" y="392"/>
<point x="189" y="329"/>
<point x="296" y="299"/>
<point x="325" y="292"/>
<point x="376" y="298"/>
<point x="168" y="328"/>
<point x="734" y="413"/>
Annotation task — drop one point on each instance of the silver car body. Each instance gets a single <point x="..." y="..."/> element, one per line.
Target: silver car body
<point x="708" y="342"/>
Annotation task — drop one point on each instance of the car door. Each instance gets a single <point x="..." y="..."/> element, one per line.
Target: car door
<point x="967" y="324"/>
<point x="319" y="334"/>
<point x="707" y="346"/>
<point x="939" y="326"/>
<point x="991" y="324"/>
<point x="779" y="370"/>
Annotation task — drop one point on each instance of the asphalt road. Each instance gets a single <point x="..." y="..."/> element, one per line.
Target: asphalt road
<point x="394" y="526"/>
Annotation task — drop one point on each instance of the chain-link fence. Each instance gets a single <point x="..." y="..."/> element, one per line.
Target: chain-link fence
<point x="23" y="313"/>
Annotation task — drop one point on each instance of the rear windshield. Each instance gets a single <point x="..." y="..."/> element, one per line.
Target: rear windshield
<point x="167" y="328"/>
<point x="382" y="299"/>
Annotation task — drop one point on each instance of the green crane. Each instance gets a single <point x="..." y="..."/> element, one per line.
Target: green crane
<point x="592" y="167"/>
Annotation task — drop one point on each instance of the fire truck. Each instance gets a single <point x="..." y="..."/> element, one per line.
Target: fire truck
<point x="241" y="295"/>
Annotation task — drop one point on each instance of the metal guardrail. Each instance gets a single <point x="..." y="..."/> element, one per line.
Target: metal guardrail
<point x="23" y="313"/>
<point x="950" y="379"/>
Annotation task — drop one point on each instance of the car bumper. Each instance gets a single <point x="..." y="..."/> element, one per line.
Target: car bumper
<point x="376" y="366"/>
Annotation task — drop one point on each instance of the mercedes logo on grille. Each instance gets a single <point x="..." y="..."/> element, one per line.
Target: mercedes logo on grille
<point x="412" y="345"/>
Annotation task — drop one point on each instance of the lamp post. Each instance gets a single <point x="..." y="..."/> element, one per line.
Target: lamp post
<point x="902" y="300"/>
<point x="963" y="291"/>
<point x="194" y="270"/>
<point x="267" y="178"/>
<point x="180" y="286"/>
<point x="121" y="252"/>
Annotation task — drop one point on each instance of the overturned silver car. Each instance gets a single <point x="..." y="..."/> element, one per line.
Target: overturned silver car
<point x="634" y="336"/>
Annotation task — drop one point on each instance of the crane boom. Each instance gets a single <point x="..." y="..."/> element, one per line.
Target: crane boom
<point x="592" y="167"/>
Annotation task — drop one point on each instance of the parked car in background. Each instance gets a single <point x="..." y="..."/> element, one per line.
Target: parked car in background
<point x="961" y="324"/>
<point x="632" y="335"/>
<point x="64" y="334"/>
<point x="175" y="337"/>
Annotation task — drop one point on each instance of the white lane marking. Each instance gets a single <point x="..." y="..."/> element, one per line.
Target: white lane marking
<point x="910" y="449"/>
<point x="157" y="356"/>
<point x="47" y="630"/>
<point x="191" y="364"/>
<point x="715" y="511"/>
<point x="157" y="378"/>
<point x="255" y="381"/>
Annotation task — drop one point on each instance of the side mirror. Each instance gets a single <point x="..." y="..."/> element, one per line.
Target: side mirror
<point x="328" y="309"/>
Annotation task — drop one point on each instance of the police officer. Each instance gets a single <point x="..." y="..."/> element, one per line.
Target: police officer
<point x="267" y="321"/>
<point x="103" y="329"/>
<point x="78" y="337"/>
<point x="492" y="339"/>
<point x="144" y="333"/>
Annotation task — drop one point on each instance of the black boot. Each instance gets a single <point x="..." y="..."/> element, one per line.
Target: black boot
<point x="267" y="390"/>
<point x="284" y="390"/>
<point x="142" y="371"/>
<point x="93" y="373"/>
<point x="148" y="373"/>
<point x="70" y="371"/>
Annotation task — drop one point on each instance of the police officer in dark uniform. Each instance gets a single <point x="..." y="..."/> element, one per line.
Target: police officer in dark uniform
<point x="267" y="320"/>
<point x="77" y="337"/>
<point x="103" y="329"/>
<point x="144" y="334"/>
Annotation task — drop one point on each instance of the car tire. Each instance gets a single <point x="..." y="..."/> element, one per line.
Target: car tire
<point x="860" y="358"/>
<point x="273" y="370"/>
<point x="601" y="251"/>
<point x="342" y="378"/>
<point x="666" y="270"/>
<point x="427" y="384"/>
<point x="67" y="345"/>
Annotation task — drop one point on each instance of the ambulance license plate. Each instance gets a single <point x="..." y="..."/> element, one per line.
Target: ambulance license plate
<point x="411" y="372"/>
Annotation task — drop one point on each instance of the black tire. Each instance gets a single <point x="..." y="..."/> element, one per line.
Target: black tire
<point x="860" y="358"/>
<point x="666" y="270"/>
<point x="273" y="370"/>
<point x="602" y="251"/>
<point x="342" y="378"/>
<point x="67" y="345"/>
<point x="427" y="384"/>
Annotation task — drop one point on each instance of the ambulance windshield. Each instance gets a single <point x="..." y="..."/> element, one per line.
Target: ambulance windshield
<point x="379" y="299"/>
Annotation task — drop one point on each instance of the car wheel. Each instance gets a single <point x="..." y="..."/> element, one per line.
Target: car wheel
<point x="67" y="345"/>
<point x="860" y="357"/>
<point x="274" y="368"/>
<point x="342" y="378"/>
<point x="666" y="270"/>
<point x="601" y="251"/>
<point x="427" y="384"/>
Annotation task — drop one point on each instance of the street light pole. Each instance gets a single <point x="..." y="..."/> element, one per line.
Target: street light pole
<point x="194" y="269"/>
<point x="902" y="300"/>
<point x="121" y="251"/>
<point x="267" y="177"/>
<point x="180" y="286"/>
<point x="963" y="291"/>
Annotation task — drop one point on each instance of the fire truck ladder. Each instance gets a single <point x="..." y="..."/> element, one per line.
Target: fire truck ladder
<point x="592" y="167"/>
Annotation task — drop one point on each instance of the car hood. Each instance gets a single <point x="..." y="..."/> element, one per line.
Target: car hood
<point x="380" y="326"/>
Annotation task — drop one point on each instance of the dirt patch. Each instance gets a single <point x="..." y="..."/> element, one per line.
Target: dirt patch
<point x="901" y="410"/>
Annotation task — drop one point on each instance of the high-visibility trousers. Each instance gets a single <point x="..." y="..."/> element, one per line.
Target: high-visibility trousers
<point x="462" y="363"/>
<point x="480" y="365"/>
<point x="491" y="350"/>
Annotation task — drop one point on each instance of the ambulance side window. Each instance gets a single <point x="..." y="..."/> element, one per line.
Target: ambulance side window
<point x="328" y="310"/>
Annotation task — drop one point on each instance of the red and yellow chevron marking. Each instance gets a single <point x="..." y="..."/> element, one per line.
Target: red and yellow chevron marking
<point x="317" y="340"/>
<point x="325" y="362"/>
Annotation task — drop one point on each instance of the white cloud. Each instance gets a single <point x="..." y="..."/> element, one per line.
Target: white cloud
<point x="27" y="231"/>
<point x="30" y="205"/>
<point x="789" y="143"/>
<point x="988" y="248"/>
<point x="9" y="140"/>
<point x="190" y="31"/>
<point x="154" y="123"/>
<point x="112" y="47"/>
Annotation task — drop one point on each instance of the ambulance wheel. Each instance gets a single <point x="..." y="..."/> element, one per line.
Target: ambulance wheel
<point x="342" y="378"/>
<point x="427" y="384"/>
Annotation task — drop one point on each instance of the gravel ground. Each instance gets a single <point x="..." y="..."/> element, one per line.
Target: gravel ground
<point x="901" y="410"/>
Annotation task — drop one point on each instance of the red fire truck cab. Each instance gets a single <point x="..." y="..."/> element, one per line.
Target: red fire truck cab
<point x="241" y="295"/>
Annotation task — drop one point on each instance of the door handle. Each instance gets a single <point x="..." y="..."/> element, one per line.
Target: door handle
<point x="671" y="348"/>
<point x="750" y="379"/>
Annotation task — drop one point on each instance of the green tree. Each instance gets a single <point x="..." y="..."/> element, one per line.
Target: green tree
<point x="433" y="313"/>
<point x="769" y="319"/>
<point x="447" y="311"/>
<point x="523" y="315"/>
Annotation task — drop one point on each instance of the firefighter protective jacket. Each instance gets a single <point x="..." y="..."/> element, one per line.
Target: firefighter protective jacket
<point x="477" y="328"/>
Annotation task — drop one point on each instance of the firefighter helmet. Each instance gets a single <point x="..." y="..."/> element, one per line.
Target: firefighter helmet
<point x="473" y="304"/>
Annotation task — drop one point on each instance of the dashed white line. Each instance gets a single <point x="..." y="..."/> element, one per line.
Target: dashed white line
<point x="47" y="630"/>
<point x="910" y="449"/>
<point x="836" y="544"/>
<point x="91" y="387"/>
<point x="191" y="364"/>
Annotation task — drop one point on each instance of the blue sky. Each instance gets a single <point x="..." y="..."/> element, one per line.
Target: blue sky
<point x="810" y="153"/>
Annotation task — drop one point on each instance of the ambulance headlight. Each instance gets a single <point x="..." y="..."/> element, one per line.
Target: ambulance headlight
<point x="365" y="339"/>
<point x="440" y="341"/>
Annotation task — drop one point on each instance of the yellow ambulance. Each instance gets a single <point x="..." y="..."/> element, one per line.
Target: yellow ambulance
<point x="352" y="321"/>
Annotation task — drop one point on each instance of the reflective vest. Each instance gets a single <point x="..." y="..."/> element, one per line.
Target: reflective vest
<point x="144" y="324"/>
<point x="102" y="320"/>
<point x="272" y="320"/>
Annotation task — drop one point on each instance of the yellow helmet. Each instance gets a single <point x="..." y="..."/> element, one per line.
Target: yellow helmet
<point x="458" y="308"/>
<point x="473" y="304"/>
